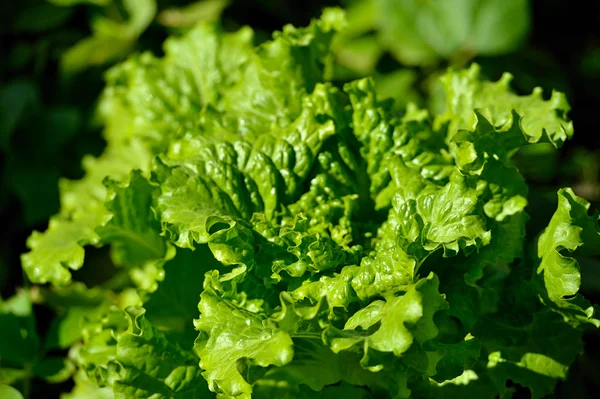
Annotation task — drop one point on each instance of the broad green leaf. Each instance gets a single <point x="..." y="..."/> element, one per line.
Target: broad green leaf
<point x="421" y="33"/>
<point x="213" y="57"/>
<point x="228" y="182"/>
<point x="159" y="99"/>
<point x="97" y="352"/>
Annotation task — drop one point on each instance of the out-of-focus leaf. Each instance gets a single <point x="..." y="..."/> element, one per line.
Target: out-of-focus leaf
<point x="54" y="369"/>
<point x="360" y="55"/>
<point x="140" y="14"/>
<point x="354" y="47"/>
<point x="420" y="33"/>
<point x="7" y="392"/>
<point x="111" y="40"/>
<point x="86" y="389"/>
<point x="93" y="51"/>
<point x="74" y="306"/>
<point x="200" y="11"/>
<point x="398" y="85"/>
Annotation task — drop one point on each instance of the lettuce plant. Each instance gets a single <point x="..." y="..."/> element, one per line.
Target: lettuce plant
<point x="274" y="236"/>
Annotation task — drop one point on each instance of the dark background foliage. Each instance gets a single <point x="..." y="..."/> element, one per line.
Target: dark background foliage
<point x="47" y="119"/>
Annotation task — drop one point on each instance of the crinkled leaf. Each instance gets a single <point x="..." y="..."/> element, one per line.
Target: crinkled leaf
<point x="151" y="365"/>
<point x="384" y="136"/>
<point x="539" y="118"/>
<point x="132" y="228"/>
<point x="427" y="217"/>
<point x="570" y="228"/>
<point x="60" y="247"/>
<point x="398" y="322"/>
<point x="229" y="334"/>
<point x="279" y="73"/>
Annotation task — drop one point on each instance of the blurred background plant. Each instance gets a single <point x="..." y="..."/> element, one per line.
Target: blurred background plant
<point x="54" y="54"/>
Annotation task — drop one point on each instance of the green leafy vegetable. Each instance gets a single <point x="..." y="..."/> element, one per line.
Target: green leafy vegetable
<point x="274" y="236"/>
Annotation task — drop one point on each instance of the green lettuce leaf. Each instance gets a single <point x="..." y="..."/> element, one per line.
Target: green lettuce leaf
<point x="148" y="364"/>
<point x="570" y="228"/>
<point x="539" y="119"/>
<point x="274" y="236"/>
<point x="60" y="247"/>
<point x="287" y="68"/>
<point x="229" y="334"/>
<point x="402" y="320"/>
